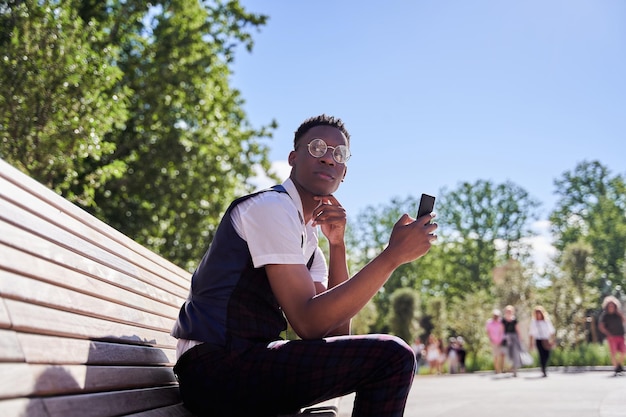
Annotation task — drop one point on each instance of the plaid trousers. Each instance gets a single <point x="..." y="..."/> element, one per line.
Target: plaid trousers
<point x="284" y="376"/>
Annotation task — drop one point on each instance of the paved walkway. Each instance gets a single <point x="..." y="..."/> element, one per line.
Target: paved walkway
<point x="588" y="393"/>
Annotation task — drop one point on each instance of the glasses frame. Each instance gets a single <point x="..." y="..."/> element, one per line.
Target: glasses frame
<point x="334" y="148"/>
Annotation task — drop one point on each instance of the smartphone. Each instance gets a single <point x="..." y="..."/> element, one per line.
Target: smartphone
<point x="427" y="205"/>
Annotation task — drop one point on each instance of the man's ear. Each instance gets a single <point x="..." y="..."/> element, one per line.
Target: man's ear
<point x="291" y="157"/>
<point x="345" y="171"/>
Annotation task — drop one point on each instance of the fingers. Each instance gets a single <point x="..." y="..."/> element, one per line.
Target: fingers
<point x="329" y="211"/>
<point x="427" y="218"/>
<point x="412" y="239"/>
<point x="327" y="200"/>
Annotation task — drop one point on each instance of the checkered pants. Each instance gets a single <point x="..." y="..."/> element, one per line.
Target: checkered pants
<point x="284" y="376"/>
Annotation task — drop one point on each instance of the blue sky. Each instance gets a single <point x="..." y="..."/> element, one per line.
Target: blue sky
<point x="435" y="93"/>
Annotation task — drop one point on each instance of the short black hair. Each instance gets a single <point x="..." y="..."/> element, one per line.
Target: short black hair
<point x="321" y="120"/>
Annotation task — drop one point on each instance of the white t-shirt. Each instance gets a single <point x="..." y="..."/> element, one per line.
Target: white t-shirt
<point x="290" y="240"/>
<point x="541" y="329"/>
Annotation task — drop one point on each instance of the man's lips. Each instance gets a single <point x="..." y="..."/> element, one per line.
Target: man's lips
<point x="325" y="175"/>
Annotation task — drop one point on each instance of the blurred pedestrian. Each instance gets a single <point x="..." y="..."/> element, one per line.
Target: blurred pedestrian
<point x="418" y="349"/>
<point x="495" y="331"/>
<point x="541" y="334"/>
<point x="434" y="354"/>
<point x="452" y="356"/>
<point x="462" y="353"/>
<point x="512" y="338"/>
<point x="611" y="323"/>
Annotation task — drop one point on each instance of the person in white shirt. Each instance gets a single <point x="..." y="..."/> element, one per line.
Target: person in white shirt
<point x="541" y="335"/>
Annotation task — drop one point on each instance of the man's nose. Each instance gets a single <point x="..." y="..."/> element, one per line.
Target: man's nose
<point x="327" y="158"/>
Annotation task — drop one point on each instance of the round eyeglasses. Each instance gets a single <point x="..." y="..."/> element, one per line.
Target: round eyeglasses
<point x="317" y="148"/>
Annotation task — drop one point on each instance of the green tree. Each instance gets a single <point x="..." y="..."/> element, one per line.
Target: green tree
<point x="59" y="96"/>
<point x="578" y="270"/>
<point x="482" y="225"/>
<point x="404" y="315"/>
<point x="368" y="236"/>
<point x="141" y="126"/>
<point x="437" y="311"/>
<point x="514" y="286"/>
<point x="467" y="319"/>
<point x="592" y="208"/>
<point x="365" y="319"/>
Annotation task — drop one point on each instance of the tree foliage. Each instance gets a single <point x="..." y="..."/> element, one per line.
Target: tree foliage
<point x="592" y="208"/>
<point x="404" y="314"/>
<point x="59" y="96"/>
<point x="571" y="296"/>
<point x="125" y="108"/>
<point x="482" y="225"/>
<point x="467" y="319"/>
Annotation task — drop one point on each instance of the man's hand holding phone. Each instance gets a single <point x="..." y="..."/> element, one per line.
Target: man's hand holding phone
<point x="427" y="205"/>
<point x="411" y="239"/>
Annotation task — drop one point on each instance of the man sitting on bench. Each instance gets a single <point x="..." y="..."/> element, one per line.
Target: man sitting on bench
<point x="265" y="261"/>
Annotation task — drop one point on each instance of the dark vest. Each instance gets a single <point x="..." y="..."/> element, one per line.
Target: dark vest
<point x="229" y="299"/>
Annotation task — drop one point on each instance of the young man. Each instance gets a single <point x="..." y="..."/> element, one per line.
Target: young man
<point x="265" y="262"/>
<point x="611" y="323"/>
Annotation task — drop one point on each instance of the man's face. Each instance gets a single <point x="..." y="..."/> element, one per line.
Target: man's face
<point x="318" y="176"/>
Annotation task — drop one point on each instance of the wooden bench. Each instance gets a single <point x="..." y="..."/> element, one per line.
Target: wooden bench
<point x="85" y="313"/>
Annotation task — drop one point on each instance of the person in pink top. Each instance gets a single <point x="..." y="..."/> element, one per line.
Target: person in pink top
<point x="495" y="331"/>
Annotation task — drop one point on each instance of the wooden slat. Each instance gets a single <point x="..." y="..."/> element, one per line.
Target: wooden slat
<point x="31" y="291"/>
<point x="5" y="320"/>
<point x="18" y="187"/>
<point x="112" y="403"/>
<point x="10" y="350"/>
<point x="86" y="276"/>
<point x="29" y="318"/>
<point x="27" y="380"/>
<point x="60" y="238"/>
<point x="10" y="175"/>
<point x="23" y="407"/>
<point x="61" y="350"/>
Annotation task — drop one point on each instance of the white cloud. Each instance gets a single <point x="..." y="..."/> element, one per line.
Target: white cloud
<point x="541" y="242"/>
<point x="262" y="181"/>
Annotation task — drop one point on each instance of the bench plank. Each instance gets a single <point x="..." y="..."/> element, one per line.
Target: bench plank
<point x="26" y="380"/>
<point x="111" y="403"/>
<point x="115" y="286"/>
<point x="30" y="318"/>
<point x="5" y="321"/>
<point x="36" y="292"/>
<point x="54" y="210"/>
<point x="23" y="407"/>
<point x="10" y="350"/>
<point x="57" y="238"/>
<point x="61" y="350"/>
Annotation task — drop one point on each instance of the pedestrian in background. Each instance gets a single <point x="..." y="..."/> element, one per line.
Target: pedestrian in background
<point x="495" y="332"/>
<point x="434" y="354"/>
<point x="418" y="349"/>
<point x="512" y="338"/>
<point x="541" y="334"/>
<point x="462" y="353"/>
<point x="611" y="323"/>
<point x="452" y="353"/>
